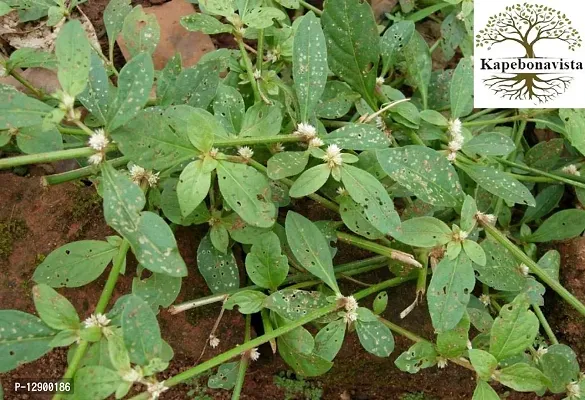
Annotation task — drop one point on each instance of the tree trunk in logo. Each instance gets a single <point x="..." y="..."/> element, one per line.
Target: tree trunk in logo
<point x="528" y="86"/>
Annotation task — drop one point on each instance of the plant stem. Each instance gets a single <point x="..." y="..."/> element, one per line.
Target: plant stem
<point x="507" y="119"/>
<point x="80" y="172"/>
<point x="46" y="157"/>
<point x="249" y="68"/>
<point x="99" y="309"/>
<point x="310" y="7"/>
<point x="545" y="325"/>
<point x="573" y="181"/>
<point x="530" y="178"/>
<point x="480" y="114"/>
<point x="69" y="130"/>
<point x="260" y="50"/>
<point x="535" y="268"/>
<point x="37" y="92"/>
<point x="83" y="127"/>
<point x="252" y="141"/>
<point x="244" y="362"/>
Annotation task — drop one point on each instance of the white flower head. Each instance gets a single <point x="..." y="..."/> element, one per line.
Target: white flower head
<point x="139" y="175"/>
<point x="213" y="152"/>
<point x="213" y="341"/>
<point x="333" y="156"/>
<point x="245" y="152"/>
<point x="132" y="375"/>
<point x="524" y="269"/>
<point x="485" y="219"/>
<point x="254" y="354"/>
<point x="441" y="362"/>
<point x="541" y="351"/>
<point x="67" y="101"/>
<point x="99" y="320"/>
<point x="350" y="317"/>
<point x="279" y="147"/>
<point x="452" y="156"/>
<point x="485" y="299"/>
<point x="156" y="389"/>
<point x="272" y="56"/>
<point x="152" y="178"/>
<point x="306" y="130"/>
<point x="571" y="170"/>
<point x="455" y="127"/>
<point x="460" y="236"/>
<point x="96" y="159"/>
<point x="574" y="390"/>
<point x="380" y="124"/>
<point x="341" y="191"/>
<point x="379" y="81"/>
<point x="351" y="303"/>
<point x="316" y="142"/>
<point x="257" y="74"/>
<point x="461" y="16"/>
<point x="98" y="141"/>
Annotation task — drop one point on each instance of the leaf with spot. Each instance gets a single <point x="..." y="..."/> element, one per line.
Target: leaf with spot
<point x="262" y="17"/>
<point x="207" y="24"/>
<point x="310" y="248"/>
<point x="418" y="65"/>
<point x="247" y="192"/>
<point x="501" y="270"/>
<point x="560" y="365"/>
<point x="195" y="86"/>
<point x="565" y="224"/>
<point x="171" y="209"/>
<point x="218" y="7"/>
<point x="523" y="378"/>
<point x="380" y="303"/>
<point x="220" y="237"/>
<point x="550" y="262"/>
<point x="483" y="391"/>
<point x="114" y="15"/>
<point x="490" y="144"/>
<point x="546" y="201"/>
<point x="16" y="326"/>
<point x="33" y="139"/>
<point x="226" y="376"/>
<point x="19" y="110"/>
<point x="261" y="120"/>
<point x="461" y="90"/>
<point x="514" y="329"/>
<point x="75" y="264"/>
<point x="424" y="232"/>
<point x="375" y="337"/>
<point x="55" y="310"/>
<point x="229" y="108"/>
<point x="309" y="65"/>
<point x="219" y="270"/>
<point x="140" y="32"/>
<point x="293" y="304"/>
<point x="193" y="186"/>
<point x="248" y="301"/>
<point x="134" y="84"/>
<point x="500" y="184"/>
<point x="353" y="44"/>
<point x="329" y="339"/>
<point x="424" y="172"/>
<point x="310" y="181"/>
<point x="96" y="95"/>
<point x="96" y="382"/>
<point x="353" y="216"/>
<point x="158" y="290"/>
<point x="574" y="119"/>
<point x="302" y="363"/>
<point x="150" y="142"/>
<point x="453" y="343"/>
<point x="367" y="191"/>
<point x="73" y="56"/>
<point x="336" y="101"/>
<point x="448" y="292"/>
<point x="418" y="356"/>
<point x="475" y="252"/>
<point x="358" y="137"/>
<point x="545" y="155"/>
<point x="483" y="362"/>
<point x="27" y="57"/>
<point x="393" y="41"/>
<point x="287" y="163"/>
<point x="266" y="265"/>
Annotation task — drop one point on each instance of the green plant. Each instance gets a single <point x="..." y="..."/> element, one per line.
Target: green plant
<point x="321" y="112"/>
<point x="297" y="388"/>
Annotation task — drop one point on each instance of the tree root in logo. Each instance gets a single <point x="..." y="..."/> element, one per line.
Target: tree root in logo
<point x="528" y="86"/>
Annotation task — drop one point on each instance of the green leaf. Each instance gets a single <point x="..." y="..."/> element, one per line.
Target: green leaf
<point x="424" y="232"/>
<point x="500" y="184"/>
<point x="547" y="200"/>
<point x="73" y="51"/>
<point x="483" y="362"/>
<point x="195" y="86"/>
<point x="293" y="304"/>
<point x="336" y="101"/>
<point x="562" y="225"/>
<point x="380" y="303"/>
<point x="141" y="330"/>
<point x="266" y="265"/>
<point x="418" y="65"/>
<point x="483" y="391"/>
<point x="14" y="351"/>
<point x="501" y="270"/>
<point x="474" y="252"/>
<point x="204" y="23"/>
<point x="4" y="9"/>
<point x="310" y="248"/>
<point x="247" y="192"/>
<point x="248" y="301"/>
<point x="287" y="163"/>
<point x="453" y="343"/>
<point x="19" y="110"/>
<point x="193" y="186"/>
<point x="353" y="217"/>
<point x="220" y="237"/>
<point x="218" y="7"/>
<point x="329" y="339"/>
<point x="32" y="139"/>
<point x="299" y="339"/>
<point x="394" y="40"/>
<point x="229" y="108"/>
<point x="449" y="291"/>
<point x="75" y="264"/>
<point x="226" y="376"/>
<point x="55" y="310"/>
<point x="169" y="204"/>
<point x="424" y="172"/>
<point x="261" y="17"/>
<point x="514" y="329"/>
<point x="149" y="142"/>
<point x="550" y="262"/>
<point x="200" y="126"/>
<point x="574" y="119"/>
<point x="490" y="144"/>
<point x="96" y="96"/>
<point x="461" y="93"/>
<point x="545" y="155"/>
<point x="119" y="356"/>
<point x="468" y="211"/>
<point x="434" y="117"/>
<point x="114" y="15"/>
<point x="560" y="365"/>
<point x="158" y="290"/>
<point x="375" y="337"/>
<point x="261" y="120"/>
<point x="353" y="44"/>
<point x="96" y="382"/>
<point x="27" y="57"/>
<point x="140" y="32"/>
<point x="523" y="378"/>
<point x="218" y="269"/>
<point x="310" y="181"/>
<point x="309" y="65"/>
<point x="418" y="356"/>
<point x="357" y="137"/>
<point x="367" y="191"/>
<point x="134" y="84"/>
<point x="168" y="76"/>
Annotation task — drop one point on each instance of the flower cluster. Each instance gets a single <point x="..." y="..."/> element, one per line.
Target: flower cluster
<point x="307" y="131"/>
<point x="98" y="142"/>
<point x="245" y="152"/>
<point x="133" y="375"/>
<point x="485" y="219"/>
<point x="333" y="156"/>
<point x="213" y="341"/>
<point x="571" y="170"/>
<point x="350" y="305"/>
<point x="96" y="320"/>
<point x="457" y="139"/>
<point x="140" y="175"/>
<point x="156" y="389"/>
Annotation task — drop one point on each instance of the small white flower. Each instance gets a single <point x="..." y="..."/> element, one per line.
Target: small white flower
<point x="441" y="362"/>
<point x="99" y="320"/>
<point x="380" y="81"/>
<point x="152" y="178"/>
<point x="333" y="156"/>
<point x="98" y="141"/>
<point x="213" y="341"/>
<point x="96" y="158"/>
<point x="279" y="147"/>
<point x="132" y="376"/>
<point x="257" y="74"/>
<point x="156" y="389"/>
<point x="455" y="127"/>
<point x="460" y="236"/>
<point x="341" y="191"/>
<point x="213" y="152"/>
<point x="272" y="56"/>
<point x="485" y="299"/>
<point x="308" y="131"/>
<point x="486" y="219"/>
<point x="351" y="303"/>
<point x="254" y="354"/>
<point x="574" y="390"/>
<point x="137" y="173"/>
<point x="380" y="124"/>
<point x="541" y="351"/>
<point x="350" y="317"/>
<point x="571" y="170"/>
<point x="452" y="156"/>
<point x="245" y="152"/>
<point x="67" y="101"/>
<point x="524" y="269"/>
<point x="316" y="142"/>
<point x="461" y="16"/>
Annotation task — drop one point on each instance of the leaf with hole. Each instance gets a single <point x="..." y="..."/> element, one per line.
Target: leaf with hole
<point x="248" y="301"/>
<point x="266" y="265"/>
<point x="418" y="356"/>
<point x="424" y="232"/>
<point x="219" y="270"/>
<point x="293" y="304"/>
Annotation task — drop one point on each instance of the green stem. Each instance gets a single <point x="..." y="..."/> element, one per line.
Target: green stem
<point x="68" y="130"/>
<point x="535" y="268"/>
<point x="249" y="69"/>
<point x="252" y="141"/>
<point x="80" y="172"/>
<point x="244" y="362"/>
<point x="37" y="92"/>
<point x="83" y="127"/>
<point x="426" y="12"/>
<point x="530" y="178"/>
<point x="45" y="157"/>
<point x="545" y="325"/>
<point x="504" y="120"/>
<point x="480" y="114"/>
<point x="99" y="309"/>
<point x="260" y="50"/>
<point x="310" y="7"/>
<point x="435" y="45"/>
<point x="570" y="181"/>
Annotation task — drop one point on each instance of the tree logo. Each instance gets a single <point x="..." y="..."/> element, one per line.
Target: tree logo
<point x="530" y="54"/>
